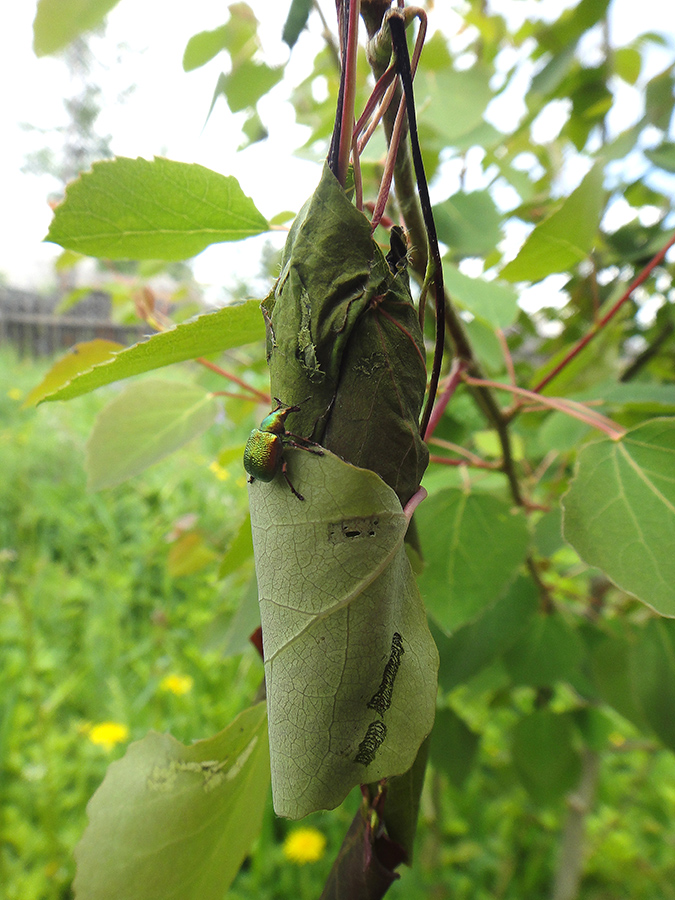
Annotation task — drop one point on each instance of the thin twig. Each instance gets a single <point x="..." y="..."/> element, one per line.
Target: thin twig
<point x="600" y="324"/>
<point x="569" y="407"/>
<point x="456" y="371"/>
<point x="260" y="395"/>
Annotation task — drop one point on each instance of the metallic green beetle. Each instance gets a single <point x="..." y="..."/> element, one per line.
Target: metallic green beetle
<point x="264" y="451"/>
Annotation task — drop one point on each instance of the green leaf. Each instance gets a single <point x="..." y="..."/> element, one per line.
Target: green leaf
<point x="202" y="47"/>
<point x="485" y="344"/>
<point x="473" y="545"/>
<point x="494" y="303"/>
<point x="564" y="238"/>
<point x="453" y="746"/>
<point x="548" y="79"/>
<point x="452" y="102"/>
<point x="143" y="425"/>
<point x="476" y="645"/>
<point x="659" y="99"/>
<point x="549" y="650"/>
<point x="79" y="358"/>
<point x="230" y="635"/>
<point x="296" y="21"/>
<point x="544" y="756"/>
<point x="171" y="821"/>
<point x="401" y="811"/>
<point x="613" y="676"/>
<point x="137" y="209"/>
<point x="571" y="24"/>
<point x="246" y="84"/>
<point x="239" y="550"/>
<point x="212" y="333"/>
<point x="619" y="513"/>
<point x="350" y="665"/>
<point x="547" y="535"/>
<point x="663" y="156"/>
<point x="58" y="22"/>
<point x="469" y="223"/>
<point x="189" y="554"/>
<point x="653" y="671"/>
<point x="627" y="63"/>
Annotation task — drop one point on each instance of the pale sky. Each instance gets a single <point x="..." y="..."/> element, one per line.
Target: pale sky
<point x="166" y="113"/>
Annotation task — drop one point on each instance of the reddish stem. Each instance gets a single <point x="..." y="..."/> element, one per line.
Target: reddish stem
<point x="459" y="366"/>
<point x="349" y="62"/>
<point x="260" y="395"/>
<point x="579" y="346"/>
<point x="569" y="407"/>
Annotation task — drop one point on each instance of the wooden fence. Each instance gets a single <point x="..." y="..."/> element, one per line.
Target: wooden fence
<point x="27" y="322"/>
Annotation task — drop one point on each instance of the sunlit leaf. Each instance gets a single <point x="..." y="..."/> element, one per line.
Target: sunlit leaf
<point x="564" y="238"/>
<point x="174" y="822"/>
<point x="78" y="359"/>
<point x="159" y="209"/>
<point x="202" y="47"/>
<point x="58" y="22"/>
<point x="246" y="84"/>
<point x="469" y="223"/>
<point x="212" y="333"/>
<point x="619" y="513"/>
<point x="143" y="425"/>
<point x="496" y="304"/>
<point x="663" y="156"/>
<point x="452" y="102"/>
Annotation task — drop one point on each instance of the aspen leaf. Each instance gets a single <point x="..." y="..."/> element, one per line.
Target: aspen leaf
<point x="350" y="664"/>
<point x="620" y="511"/>
<point x="173" y="821"/>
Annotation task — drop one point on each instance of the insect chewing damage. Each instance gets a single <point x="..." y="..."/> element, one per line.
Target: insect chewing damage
<point x="353" y="529"/>
<point x="375" y="735"/>
<point x="381" y="699"/>
<point x="380" y="702"/>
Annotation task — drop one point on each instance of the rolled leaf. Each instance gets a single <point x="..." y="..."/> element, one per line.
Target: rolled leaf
<point x="344" y="342"/>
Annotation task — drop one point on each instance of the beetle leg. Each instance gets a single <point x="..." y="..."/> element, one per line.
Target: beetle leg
<point x="302" y="443"/>
<point x="284" y="472"/>
<point x="302" y="447"/>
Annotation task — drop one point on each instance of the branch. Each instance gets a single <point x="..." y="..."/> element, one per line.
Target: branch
<point x="570" y="863"/>
<point x="569" y="407"/>
<point x="600" y="324"/>
<point x="648" y="353"/>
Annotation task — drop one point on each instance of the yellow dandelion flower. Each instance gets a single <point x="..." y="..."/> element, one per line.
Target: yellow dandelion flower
<point x="219" y="471"/>
<point x="304" y="845"/>
<point x="15" y="393"/>
<point x="107" y="734"/>
<point x="177" y="684"/>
